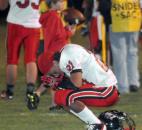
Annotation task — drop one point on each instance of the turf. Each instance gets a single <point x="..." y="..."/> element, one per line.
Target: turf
<point x="14" y="114"/>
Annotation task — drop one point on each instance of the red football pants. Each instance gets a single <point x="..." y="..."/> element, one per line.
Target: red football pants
<point x="16" y="37"/>
<point x="99" y="97"/>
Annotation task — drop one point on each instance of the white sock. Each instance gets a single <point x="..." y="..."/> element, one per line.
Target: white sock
<point x="87" y="116"/>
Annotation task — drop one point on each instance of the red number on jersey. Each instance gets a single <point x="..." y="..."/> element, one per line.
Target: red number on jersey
<point x="23" y="5"/>
<point x="26" y="4"/>
<point x="69" y="66"/>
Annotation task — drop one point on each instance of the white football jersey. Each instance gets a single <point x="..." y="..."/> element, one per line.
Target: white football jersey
<point x="75" y="57"/>
<point x="24" y="12"/>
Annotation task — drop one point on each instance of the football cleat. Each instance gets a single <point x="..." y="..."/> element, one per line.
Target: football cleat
<point x="96" y="127"/>
<point x="133" y="88"/>
<point x="56" y="108"/>
<point x="32" y="101"/>
<point x="5" y="95"/>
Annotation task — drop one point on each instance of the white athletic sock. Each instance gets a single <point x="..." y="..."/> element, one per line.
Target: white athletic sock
<point x="87" y="116"/>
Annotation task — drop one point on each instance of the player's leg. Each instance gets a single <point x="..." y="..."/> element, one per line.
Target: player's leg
<point x="13" y="48"/>
<point x="79" y="109"/>
<point x="88" y="96"/>
<point x="54" y="107"/>
<point x="118" y="47"/>
<point x="31" y="76"/>
<point x="53" y="104"/>
<point x="132" y="60"/>
<point x="11" y="72"/>
<point x="31" y="46"/>
<point x="98" y="97"/>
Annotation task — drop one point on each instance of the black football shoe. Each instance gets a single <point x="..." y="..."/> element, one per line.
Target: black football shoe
<point x="6" y="95"/>
<point x="133" y="88"/>
<point x="56" y="108"/>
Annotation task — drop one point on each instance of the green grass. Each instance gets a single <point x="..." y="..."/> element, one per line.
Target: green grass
<point x="15" y="116"/>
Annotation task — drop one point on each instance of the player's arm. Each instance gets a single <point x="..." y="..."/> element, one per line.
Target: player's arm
<point x="52" y="81"/>
<point x="76" y="77"/>
<point x="40" y="89"/>
<point x="3" y="4"/>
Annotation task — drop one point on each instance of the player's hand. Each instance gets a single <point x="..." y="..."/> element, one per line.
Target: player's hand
<point x="32" y="101"/>
<point x="52" y="80"/>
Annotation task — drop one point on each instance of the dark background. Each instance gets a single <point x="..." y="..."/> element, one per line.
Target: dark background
<point x="3" y="13"/>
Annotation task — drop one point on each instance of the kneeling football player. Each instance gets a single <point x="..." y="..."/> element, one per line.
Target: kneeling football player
<point x="89" y="82"/>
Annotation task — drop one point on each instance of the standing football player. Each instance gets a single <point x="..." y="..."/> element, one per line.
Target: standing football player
<point x="90" y="83"/>
<point x="22" y="30"/>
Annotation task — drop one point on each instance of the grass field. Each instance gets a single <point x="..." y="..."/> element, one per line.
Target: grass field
<point x="15" y="116"/>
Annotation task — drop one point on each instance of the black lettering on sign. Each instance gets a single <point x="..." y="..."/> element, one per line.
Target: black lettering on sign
<point x="125" y="10"/>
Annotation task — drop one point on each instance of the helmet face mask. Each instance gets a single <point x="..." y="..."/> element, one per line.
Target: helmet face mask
<point x="116" y="120"/>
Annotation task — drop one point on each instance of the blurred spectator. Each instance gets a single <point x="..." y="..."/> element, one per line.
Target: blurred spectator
<point x="97" y="19"/>
<point x="43" y="7"/>
<point x="3" y="5"/>
<point x="95" y="29"/>
<point x="54" y="28"/>
<point x="87" y="6"/>
<point x="126" y="22"/>
<point x="55" y="33"/>
<point x="3" y="15"/>
<point x="23" y="30"/>
<point x="140" y="38"/>
<point x="76" y="4"/>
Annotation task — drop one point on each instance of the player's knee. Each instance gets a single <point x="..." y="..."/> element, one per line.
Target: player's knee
<point x="29" y="60"/>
